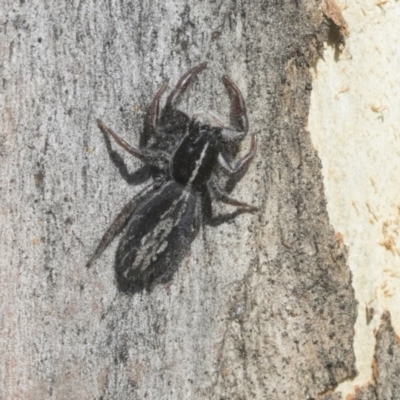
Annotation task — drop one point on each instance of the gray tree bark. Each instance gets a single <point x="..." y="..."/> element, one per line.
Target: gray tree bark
<point x="262" y="307"/>
<point x="386" y="366"/>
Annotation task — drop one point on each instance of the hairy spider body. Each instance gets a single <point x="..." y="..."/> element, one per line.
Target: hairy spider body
<point x="183" y="156"/>
<point x="158" y="236"/>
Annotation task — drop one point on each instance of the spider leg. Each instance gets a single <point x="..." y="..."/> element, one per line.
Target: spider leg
<point x="155" y="107"/>
<point x="183" y="84"/>
<point x="238" y="115"/>
<point x="132" y="150"/>
<point x="132" y="178"/>
<point x="152" y="118"/>
<point x="206" y="204"/>
<point x="242" y="165"/>
<point x="221" y="195"/>
<point x="209" y="217"/>
<point x="215" y="220"/>
<point x="119" y="223"/>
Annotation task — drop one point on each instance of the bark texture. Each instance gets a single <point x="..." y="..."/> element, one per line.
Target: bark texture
<point x="386" y="367"/>
<point x="262" y="307"/>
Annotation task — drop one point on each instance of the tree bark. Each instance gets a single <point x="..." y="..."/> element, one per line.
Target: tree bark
<point x="262" y="307"/>
<point x="386" y="366"/>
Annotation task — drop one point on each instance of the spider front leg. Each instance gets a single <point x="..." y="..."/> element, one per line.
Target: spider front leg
<point x="238" y="114"/>
<point x="184" y="83"/>
<point x="239" y="126"/>
<point x="172" y="122"/>
<point x="152" y="118"/>
<point x="237" y="172"/>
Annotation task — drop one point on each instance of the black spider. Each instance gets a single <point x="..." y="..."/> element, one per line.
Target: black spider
<point x="183" y="156"/>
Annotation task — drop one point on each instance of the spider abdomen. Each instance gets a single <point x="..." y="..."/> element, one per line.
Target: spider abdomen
<point x="158" y="236"/>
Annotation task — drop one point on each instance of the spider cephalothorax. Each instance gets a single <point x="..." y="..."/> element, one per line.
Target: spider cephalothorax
<point x="183" y="156"/>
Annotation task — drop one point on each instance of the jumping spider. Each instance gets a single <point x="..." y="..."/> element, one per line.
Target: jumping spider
<point x="183" y="156"/>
